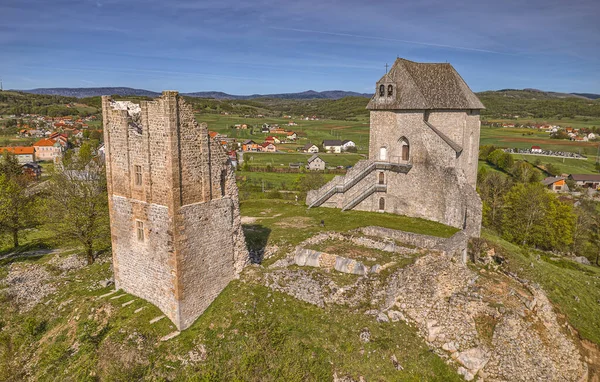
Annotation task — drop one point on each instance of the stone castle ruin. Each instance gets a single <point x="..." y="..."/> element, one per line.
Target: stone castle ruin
<point x="423" y="150"/>
<point x="177" y="238"/>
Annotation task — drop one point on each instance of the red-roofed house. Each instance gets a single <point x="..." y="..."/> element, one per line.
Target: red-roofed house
<point x="268" y="147"/>
<point x="24" y="154"/>
<point x="47" y="149"/>
<point x="536" y="150"/>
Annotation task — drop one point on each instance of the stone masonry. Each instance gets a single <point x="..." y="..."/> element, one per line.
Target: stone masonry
<point x="423" y="150"/>
<point x="177" y="238"/>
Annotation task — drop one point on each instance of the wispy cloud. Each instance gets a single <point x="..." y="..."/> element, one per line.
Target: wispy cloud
<point x="391" y="40"/>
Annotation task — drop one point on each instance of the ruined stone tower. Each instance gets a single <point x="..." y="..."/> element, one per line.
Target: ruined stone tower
<point x="423" y="150"/>
<point x="177" y="238"/>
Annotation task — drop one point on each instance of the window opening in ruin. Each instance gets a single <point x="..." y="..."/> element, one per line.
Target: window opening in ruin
<point x="381" y="204"/>
<point x="383" y="153"/>
<point x="138" y="175"/>
<point x="405" y="149"/>
<point x="381" y="90"/>
<point x="390" y="90"/>
<point x="381" y="178"/>
<point x="223" y="175"/>
<point x="140" y="230"/>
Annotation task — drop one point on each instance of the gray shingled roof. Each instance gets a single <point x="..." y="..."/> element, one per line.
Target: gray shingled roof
<point x="312" y="158"/>
<point x="424" y="86"/>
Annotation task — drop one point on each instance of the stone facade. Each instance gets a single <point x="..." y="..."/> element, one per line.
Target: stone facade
<point x="176" y="231"/>
<point x="423" y="150"/>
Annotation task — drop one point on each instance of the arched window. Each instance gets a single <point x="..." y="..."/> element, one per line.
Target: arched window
<point x="390" y="90"/>
<point x="381" y="204"/>
<point x="383" y="153"/>
<point x="381" y="90"/>
<point x="381" y="178"/>
<point x="405" y="148"/>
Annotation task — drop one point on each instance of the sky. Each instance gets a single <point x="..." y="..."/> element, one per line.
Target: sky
<point x="279" y="46"/>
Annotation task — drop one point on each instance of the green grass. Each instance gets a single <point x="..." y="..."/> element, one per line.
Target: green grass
<point x="272" y="180"/>
<point x="284" y="159"/>
<point x="288" y="223"/>
<point x="565" y="165"/>
<point x="249" y="333"/>
<point x="573" y="288"/>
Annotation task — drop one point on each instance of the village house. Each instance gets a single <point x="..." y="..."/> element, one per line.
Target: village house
<point x="586" y="180"/>
<point x="24" y="154"/>
<point x="272" y="139"/>
<point x="292" y="136"/>
<point x="332" y="146"/>
<point x="591" y="136"/>
<point x="346" y="144"/>
<point x="268" y="147"/>
<point x="266" y="128"/>
<point x="250" y="145"/>
<point x="32" y="169"/>
<point x="310" y="148"/>
<point x="536" y="150"/>
<point x="315" y="163"/>
<point x="48" y="149"/>
<point x="556" y="184"/>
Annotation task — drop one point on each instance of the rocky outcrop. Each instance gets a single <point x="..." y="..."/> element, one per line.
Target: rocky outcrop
<point x="490" y="325"/>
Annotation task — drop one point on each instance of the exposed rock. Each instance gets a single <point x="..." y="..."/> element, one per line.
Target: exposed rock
<point x="395" y="362"/>
<point x="27" y="285"/>
<point x="456" y="308"/>
<point x="365" y="335"/>
<point x="473" y="359"/>
<point x="396" y="316"/>
<point x="582" y="260"/>
<point x="382" y="317"/>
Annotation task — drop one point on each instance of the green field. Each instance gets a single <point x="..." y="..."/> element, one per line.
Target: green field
<point x="566" y="165"/>
<point x="308" y="131"/>
<point x="525" y="138"/>
<point x="284" y="159"/>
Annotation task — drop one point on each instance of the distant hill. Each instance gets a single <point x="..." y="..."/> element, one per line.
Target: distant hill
<point x="537" y="94"/>
<point x="588" y="95"/>
<point x="123" y="91"/>
<point x="92" y="92"/>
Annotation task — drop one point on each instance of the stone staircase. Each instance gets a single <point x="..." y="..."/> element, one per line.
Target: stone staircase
<point x="345" y="183"/>
<point x="363" y="194"/>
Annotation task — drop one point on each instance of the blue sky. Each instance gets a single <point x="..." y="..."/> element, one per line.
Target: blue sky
<point x="272" y="46"/>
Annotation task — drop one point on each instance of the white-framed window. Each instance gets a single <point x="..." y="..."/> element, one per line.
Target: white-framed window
<point x="139" y="226"/>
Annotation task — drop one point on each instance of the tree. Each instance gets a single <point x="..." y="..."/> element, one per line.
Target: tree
<point x="78" y="203"/>
<point x="16" y="205"/>
<point x="533" y="216"/>
<point x="492" y="187"/>
<point x="310" y="181"/>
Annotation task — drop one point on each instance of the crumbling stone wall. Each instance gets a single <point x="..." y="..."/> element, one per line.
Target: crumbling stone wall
<point x="186" y="199"/>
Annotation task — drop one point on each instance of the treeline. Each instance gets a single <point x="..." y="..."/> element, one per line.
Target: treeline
<point x="343" y="108"/>
<point x="499" y="105"/>
<point x="24" y="103"/>
<point x="520" y="208"/>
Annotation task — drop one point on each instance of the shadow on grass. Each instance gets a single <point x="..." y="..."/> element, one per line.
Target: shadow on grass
<point x="32" y="251"/>
<point x="257" y="237"/>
